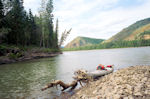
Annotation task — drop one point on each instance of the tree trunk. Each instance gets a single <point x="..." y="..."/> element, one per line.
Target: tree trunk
<point x="62" y="84"/>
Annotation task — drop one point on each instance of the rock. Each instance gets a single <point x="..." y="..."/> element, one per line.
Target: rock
<point x="130" y="97"/>
<point x="125" y="97"/>
<point x="138" y="94"/>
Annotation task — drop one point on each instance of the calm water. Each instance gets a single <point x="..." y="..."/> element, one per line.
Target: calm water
<point x="25" y="79"/>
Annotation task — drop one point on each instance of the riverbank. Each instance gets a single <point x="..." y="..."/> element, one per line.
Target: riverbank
<point x="110" y="45"/>
<point x="16" y="54"/>
<point x="64" y="50"/>
<point x="128" y="83"/>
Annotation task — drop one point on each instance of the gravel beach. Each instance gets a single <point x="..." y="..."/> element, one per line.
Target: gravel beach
<point x="128" y="83"/>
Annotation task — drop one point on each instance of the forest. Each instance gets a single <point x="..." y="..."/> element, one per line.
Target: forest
<point x="19" y="27"/>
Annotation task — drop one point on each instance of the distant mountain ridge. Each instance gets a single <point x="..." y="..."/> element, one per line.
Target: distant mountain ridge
<point x="138" y="30"/>
<point x="83" y="41"/>
<point x="137" y="34"/>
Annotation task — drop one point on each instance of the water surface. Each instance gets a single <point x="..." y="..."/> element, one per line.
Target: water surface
<point x="25" y="79"/>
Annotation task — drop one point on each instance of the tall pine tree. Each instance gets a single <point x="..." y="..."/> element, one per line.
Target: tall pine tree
<point x="49" y="10"/>
<point x="32" y="28"/>
<point x="16" y="36"/>
<point x="1" y="10"/>
<point x="56" y="35"/>
<point x="1" y="19"/>
<point x="26" y="29"/>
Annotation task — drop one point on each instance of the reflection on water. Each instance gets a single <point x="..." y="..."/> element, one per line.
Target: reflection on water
<point x="25" y="79"/>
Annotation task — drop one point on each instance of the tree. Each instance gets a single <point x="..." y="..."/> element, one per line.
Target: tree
<point x="26" y="29"/>
<point x="1" y="19"/>
<point x="56" y="35"/>
<point x="32" y="28"/>
<point x="46" y="18"/>
<point x="1" y="10"/>
<point x="42" y="19"/>
<point x="22" y="28"/>
<point x="8" y="4"/>
<point x="64" y="37"/>
<point x="49" y="10"/>
<point x="16" y="36"/>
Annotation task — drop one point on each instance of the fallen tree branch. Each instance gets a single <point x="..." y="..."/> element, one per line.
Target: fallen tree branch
<point x="62" y="84"/>
<point x="80" y="76"/>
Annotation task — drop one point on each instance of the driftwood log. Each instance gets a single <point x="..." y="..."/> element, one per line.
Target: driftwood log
<point x="80" y="76"/>
<point x="62" y="84"/>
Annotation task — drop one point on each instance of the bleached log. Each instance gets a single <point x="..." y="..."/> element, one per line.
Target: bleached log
<point x="73" y="84"/>
<point x="80" y="76"/>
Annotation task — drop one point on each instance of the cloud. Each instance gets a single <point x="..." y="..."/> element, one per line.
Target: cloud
<point x="77" y="13"/>
<point x="32" y="4"/>
<point x="96" y="18"/>
<point x="101" y="19"/>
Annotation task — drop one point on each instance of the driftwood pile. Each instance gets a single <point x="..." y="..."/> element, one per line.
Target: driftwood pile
<point x="80" y="76"/>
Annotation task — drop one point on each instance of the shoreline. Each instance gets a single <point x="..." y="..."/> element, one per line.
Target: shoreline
<point x="127" y="83"/>
<point x="104" y="48"/>
<point x="27" y="57"/>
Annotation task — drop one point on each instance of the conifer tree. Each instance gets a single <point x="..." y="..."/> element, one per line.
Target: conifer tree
<point x="1" y="15"/>
<point x="32" y="28"/>
<point x="26" y="29"/>
<point x="16" y="36"/>
<point x="7" y="5"/>
<point x="1" y="10"/>
<point x="49" y="10"/>
<point x="1" y="19"/>
<point x="56" y="34"/>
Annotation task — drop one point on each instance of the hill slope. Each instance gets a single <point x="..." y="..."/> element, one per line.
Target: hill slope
<point x="83" y="41"/>
<point x="136" y="31"/>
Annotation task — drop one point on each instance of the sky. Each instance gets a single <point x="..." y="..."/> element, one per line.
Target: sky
<point x="94" y="18"/>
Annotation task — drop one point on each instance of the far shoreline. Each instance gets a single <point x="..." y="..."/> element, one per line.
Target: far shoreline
<point x="104" y="49"/>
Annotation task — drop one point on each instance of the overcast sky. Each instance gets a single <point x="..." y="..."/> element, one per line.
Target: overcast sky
<point x="95" y="18"/>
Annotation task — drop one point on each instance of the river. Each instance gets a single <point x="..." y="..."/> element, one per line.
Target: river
<point x="23" y="80"/>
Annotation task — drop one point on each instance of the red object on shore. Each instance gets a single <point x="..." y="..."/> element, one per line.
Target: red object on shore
<point x="100" y="67"/>
<point x="109" y="66"/>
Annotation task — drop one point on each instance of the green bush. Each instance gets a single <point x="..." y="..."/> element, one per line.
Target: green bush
<point x="12" y="56"/>
<point x="15" y="56"/>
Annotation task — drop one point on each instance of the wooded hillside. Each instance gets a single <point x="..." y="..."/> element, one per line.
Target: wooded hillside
<point x="135" y="31"/>
<point x="83" y="41"/>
